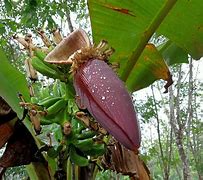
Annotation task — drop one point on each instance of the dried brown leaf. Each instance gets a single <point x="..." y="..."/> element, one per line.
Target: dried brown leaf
<point x="35" y="119"/>
<point x="21" y="148"/>
<point x="6" y="130"/>
<point x="6" y="113"/>
<point x="4" y="107"/>
<point x="124" y="161"/>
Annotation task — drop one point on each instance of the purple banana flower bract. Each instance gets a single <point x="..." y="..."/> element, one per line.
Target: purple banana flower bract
<point x="106" y="98"/>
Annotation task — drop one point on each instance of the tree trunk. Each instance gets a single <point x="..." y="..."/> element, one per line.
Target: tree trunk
<point x="184" y="159"/>
<point x="164" y="164"/>
<point x="70" y="26"/>
<point x="178" y="126"/>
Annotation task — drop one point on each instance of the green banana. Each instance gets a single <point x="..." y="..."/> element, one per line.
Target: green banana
<point x="56" y="90"/>
<point x="86" y="135"/>
<point x="60" y="118"/>
<point x="54" y="151"/>
<point x="49" y="117"/>
<point x="41" y="55"/>
<point x="56" y="106"/>
<point x="44" y="93"/>
<point x="53" y="118"/>
<point x="44" y="121"/>
<point x="40" y="66"/>
<point x="34" y="100"/>
<point x="49" y="101"/>
<point x="85" y="144"/>
<point x="77" y="126"/>
<point x="72" y="107"/>
<point x="62" y="88"/>
<point x="96" y="150"/>
<point x="76" y="158"/>
<point x="47" y="69"/>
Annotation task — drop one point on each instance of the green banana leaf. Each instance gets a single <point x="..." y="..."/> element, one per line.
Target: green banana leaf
<point x="172" y="53"/>
<point x="12" y="83"/>
<point x="184" y="26"/>
<point x="129" y="25"/>
<point x="151" y="62"/>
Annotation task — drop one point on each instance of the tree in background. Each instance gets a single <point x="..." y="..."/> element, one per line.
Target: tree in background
<point x="177" y="121"/>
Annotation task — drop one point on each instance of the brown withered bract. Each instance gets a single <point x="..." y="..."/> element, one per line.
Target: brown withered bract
<point x="21" y="40"/>
<point x="35" y="119"/>
<point x="90" y="123"/>
<point x="44" y="38"/>
<point x="68" y="46"/>
<point x="127" y="162"/>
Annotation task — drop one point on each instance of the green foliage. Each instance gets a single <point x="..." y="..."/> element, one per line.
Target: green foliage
<point x="146" y="109"/>
<point x="16" y="173"/>
<point x="172" y="53"/>
<point x="128" y="27"/>
<point x="103" y="175"/>
<point x="28" y="11"/>
<point x="16" y="84"/>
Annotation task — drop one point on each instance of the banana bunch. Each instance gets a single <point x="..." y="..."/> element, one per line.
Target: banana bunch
<point x="80" y="151"/>
<point x="59" y="103"/>
<point x="82" y="144"/>
<point x="45" y="68"/>
<point x="52" y="99"/>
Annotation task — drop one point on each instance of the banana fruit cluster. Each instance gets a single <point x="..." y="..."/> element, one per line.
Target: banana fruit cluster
<point x="45" y="68"/>
<point x="80" y="141"/>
